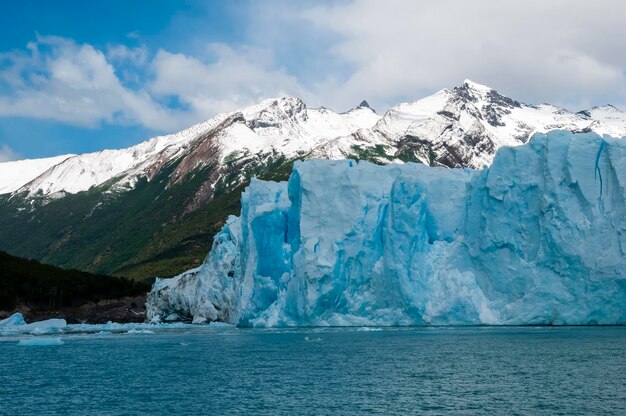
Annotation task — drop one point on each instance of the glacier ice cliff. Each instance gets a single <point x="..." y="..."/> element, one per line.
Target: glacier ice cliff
<point x="539" y="237"/>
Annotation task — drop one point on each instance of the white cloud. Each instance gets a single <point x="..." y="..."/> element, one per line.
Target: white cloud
<point x="568" y="52"/>
<point x="61" y="80"/>
<point x="75" y="84"/>
<point x="121" y="53"/>
<point x="7" y="154"/>
<point x="234" y="78"/>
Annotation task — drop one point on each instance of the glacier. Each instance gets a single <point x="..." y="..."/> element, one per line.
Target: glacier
<point x="539" y="237"/>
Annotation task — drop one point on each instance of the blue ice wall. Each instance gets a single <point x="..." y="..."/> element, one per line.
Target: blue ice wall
<point x="537" y="238"/>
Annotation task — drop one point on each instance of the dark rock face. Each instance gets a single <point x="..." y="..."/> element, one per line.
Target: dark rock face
<point x="364" y="104"/>
<point x="495" y="106"/>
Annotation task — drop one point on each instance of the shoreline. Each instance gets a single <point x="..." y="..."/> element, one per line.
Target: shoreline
<point x="123" y="310"/>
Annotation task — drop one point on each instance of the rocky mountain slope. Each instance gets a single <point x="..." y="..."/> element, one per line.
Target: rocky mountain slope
<point x="152" y="209"/>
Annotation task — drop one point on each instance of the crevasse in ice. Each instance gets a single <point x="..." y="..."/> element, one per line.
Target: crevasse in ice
<point x="539" y="237"/>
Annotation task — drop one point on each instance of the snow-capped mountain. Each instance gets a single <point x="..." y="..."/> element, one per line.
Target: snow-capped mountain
<point x="284" y="125"/>
<point x="152" y="209"/>
<point x="462" y="127"/>
<point x="15" y="174"/>
<point x="465" y="126"/>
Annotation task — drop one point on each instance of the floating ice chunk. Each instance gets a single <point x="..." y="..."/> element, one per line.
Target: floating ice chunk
<point x="369" y="329"/>
<point x="115" y="327"/>
<point x="40" y="342"/>
<point x="221" y="325"/>
<point x="139" y="331"/>
<point x="17" y="319"/>
<point x="49" y="326"/>
<point x="15" y="325"/>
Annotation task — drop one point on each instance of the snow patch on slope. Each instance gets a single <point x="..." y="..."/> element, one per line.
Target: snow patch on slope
<point x="609" y="120"/>
<point x="81" y="172"/>
<point x="15" y="174"/>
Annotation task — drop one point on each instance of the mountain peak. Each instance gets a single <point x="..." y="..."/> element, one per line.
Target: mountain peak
<point x="288" y="106"/>
<point x="364" y="104"/>
<point x="473" y="91"/>
<point x="484" y="96"/>
<point x="283" y="102"/>
<point x="468" y="83"/>
<point x="602" y="112"/>
<point x="607" y="108"/>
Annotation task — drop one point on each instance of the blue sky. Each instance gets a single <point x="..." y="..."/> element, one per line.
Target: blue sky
<point x="84" y="76"/>
<point x="176" y="26"/>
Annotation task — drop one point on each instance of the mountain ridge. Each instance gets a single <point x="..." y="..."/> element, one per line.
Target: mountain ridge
<point x="98" y="167"/>
<point x="479" y="101"/>
<point x="157" y="218"/>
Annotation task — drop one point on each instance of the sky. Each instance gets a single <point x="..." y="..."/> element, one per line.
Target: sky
<point x="84" y="76"/>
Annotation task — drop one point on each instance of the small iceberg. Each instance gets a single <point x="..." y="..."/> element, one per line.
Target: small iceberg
<point x="15" y="324"/>
<point x="17" y="319"/>
<point x="40" y="342"/>
<point x="139" y="331"/>
<point x="49" y="326"/>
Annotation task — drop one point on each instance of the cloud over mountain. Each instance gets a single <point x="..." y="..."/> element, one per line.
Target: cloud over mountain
<point x="333" y="53"/>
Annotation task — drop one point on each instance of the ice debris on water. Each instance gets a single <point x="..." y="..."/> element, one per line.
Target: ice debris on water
<point x="40" y="342"/>
<point x="139" y="331"/>
<point x="16" y="325"/>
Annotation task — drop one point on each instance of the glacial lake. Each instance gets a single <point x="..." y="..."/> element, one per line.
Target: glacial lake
<point x="331" y="371"/>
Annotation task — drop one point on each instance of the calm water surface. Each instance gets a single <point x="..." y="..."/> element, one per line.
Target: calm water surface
<point x="524" y="371"/>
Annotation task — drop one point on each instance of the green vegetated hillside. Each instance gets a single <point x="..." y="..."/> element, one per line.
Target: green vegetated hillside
<point x="45" y="287"/>
<point x="141" y="233"/>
